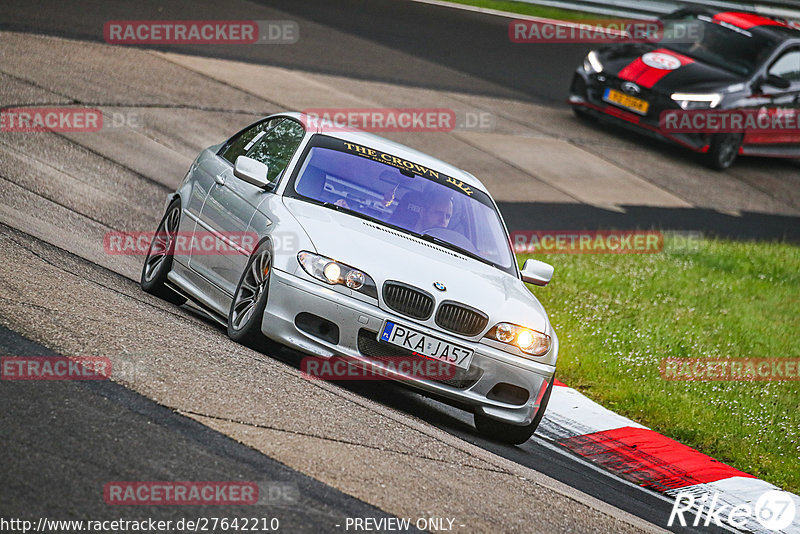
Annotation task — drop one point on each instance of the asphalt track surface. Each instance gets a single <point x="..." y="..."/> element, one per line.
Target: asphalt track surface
<point x="63" y="441"/>
<point x="390" y="42"/>
<point x="459" y="51"/>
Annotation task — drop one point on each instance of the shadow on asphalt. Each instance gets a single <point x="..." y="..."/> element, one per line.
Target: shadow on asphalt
<point x="520" y="216"/>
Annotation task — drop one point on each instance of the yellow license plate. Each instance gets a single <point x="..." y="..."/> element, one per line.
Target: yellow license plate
<point x="630" y="102"/>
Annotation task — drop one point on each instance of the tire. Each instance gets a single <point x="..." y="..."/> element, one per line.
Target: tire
<point x="250" y="300"/>
<point x="158" y="262"/>
<point x="723" y="150"/>
<point x="513" y="434"/>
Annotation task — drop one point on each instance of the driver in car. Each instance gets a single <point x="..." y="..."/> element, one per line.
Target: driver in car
<point x="437" y="211"/>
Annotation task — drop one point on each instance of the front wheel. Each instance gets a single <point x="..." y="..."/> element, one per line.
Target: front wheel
<point x="158" y="262"/>
<point x="250" y="299"/>
<point x="723" y="150"/>
<point x="513" y="434"/>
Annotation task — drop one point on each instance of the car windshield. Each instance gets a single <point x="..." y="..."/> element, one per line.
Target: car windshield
<point x="399" y="193"/>
<point x="723" y="45"/>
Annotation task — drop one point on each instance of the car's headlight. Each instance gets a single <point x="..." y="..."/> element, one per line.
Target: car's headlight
<point x="332" y="272"/>
<point x="591" y="63"/>
<point x="527" y="340"/>
<point x="697" y="100"/>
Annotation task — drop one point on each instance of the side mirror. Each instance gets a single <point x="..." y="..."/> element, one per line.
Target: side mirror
<point x="251" y="171"/>
<point x="537" y="272"/>
<point x="777" y="81"/>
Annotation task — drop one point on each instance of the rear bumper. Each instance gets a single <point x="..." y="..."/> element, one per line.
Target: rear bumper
<point x="289" y="296"/>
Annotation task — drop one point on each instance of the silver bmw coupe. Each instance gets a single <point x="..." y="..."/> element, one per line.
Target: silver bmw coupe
<point x="362" y="250"/>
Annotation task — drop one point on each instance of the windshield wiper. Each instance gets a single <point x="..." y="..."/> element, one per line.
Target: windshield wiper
<point x="460" y="250"/>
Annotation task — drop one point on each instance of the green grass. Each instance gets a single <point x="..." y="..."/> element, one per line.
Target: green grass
<point x="618" y="316"/>
<point x="523" y="8"/>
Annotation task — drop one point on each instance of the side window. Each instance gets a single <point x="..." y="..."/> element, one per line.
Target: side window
<point x="788" y="66"/>
<point x="276" y="147"/>
<point x="240" y="143"/>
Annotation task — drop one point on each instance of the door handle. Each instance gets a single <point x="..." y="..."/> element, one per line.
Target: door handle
<point x="220" y="179"/>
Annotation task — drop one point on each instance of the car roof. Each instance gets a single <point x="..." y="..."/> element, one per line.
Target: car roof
<point x="386" y="145"/>
<point x="773" y="28"/>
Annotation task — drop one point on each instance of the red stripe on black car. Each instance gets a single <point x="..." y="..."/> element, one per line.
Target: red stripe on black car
<point x="638" y="72"/>
<point x="633" y="70"/>
<point x="745" y="21"/>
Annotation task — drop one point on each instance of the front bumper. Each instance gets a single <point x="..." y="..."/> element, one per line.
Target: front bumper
<point x="586" y="93"/>
<point x="290" y="296"/>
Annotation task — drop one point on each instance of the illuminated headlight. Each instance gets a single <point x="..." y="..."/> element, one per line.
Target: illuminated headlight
<point x="592" y="63"/>
<point x="697" y="100"/>
<point x="332" y="272"/>
<point x="527" y="340"/>
<point x="335" y="273"/>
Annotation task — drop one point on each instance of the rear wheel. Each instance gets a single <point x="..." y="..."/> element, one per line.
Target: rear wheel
<point x="723" y="150"/>
<point x="513" y="434"/>
<point x="158" y="262"/>
<point x="250" y="300"/>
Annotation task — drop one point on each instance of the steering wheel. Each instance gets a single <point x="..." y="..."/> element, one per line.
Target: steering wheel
<point x="451" y="236"/>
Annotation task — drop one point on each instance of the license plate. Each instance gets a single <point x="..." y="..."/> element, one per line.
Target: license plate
<point x="425" y="345"/>
<point x="632" y="103"/>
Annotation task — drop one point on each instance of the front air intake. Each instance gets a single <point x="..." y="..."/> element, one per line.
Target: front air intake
<point x="461" y="319"/>
<point x="408" y="300"/>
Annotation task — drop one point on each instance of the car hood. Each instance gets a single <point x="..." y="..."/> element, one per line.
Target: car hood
<point x="386" y="254"/>
<point x="684" y="74"/>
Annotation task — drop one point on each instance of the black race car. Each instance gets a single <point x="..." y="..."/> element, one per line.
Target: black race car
<point x="738" y="63"/>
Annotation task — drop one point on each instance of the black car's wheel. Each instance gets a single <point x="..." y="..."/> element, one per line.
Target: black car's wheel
<point x="723" y="150"/>
<point x="512" y="434"/>
<point x="158" y="262"/>
<point x="250" y="299"/>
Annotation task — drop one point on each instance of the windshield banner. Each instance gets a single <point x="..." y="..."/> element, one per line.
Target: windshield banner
<point x="405" y="165"/>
